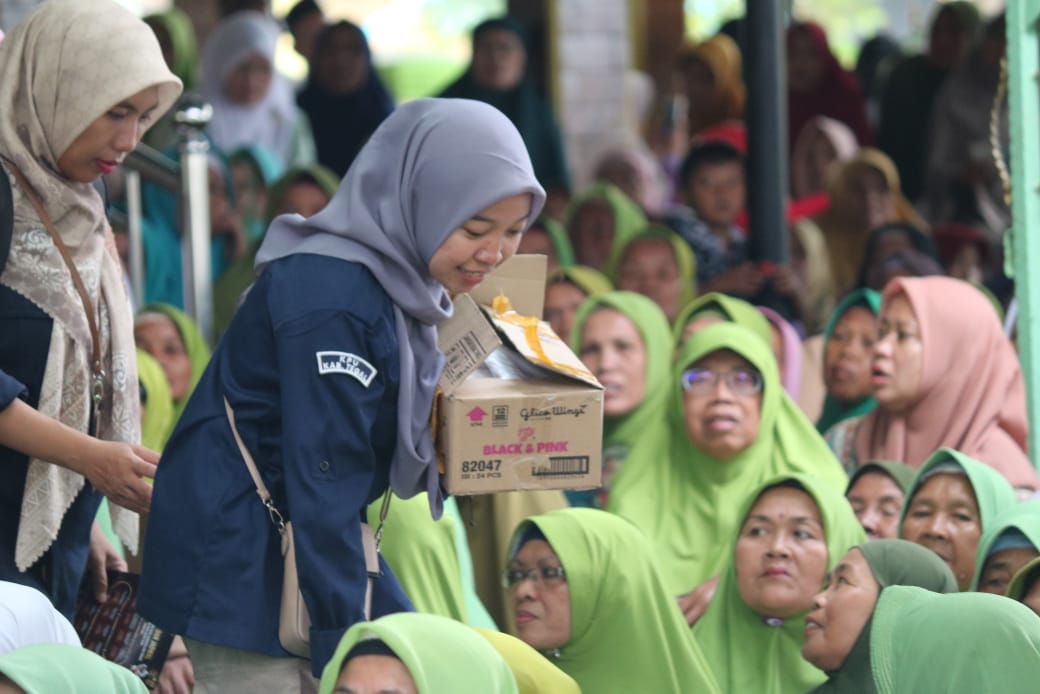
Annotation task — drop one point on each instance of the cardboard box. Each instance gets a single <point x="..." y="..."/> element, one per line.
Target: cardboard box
<point x="518" y="409"/>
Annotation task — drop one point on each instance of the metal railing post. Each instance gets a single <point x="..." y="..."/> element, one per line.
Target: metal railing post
<point x="192" y="118"/>
<point x="136" y="238"/>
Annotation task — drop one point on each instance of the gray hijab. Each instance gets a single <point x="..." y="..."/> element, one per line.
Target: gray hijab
<point x="430" y="166"/>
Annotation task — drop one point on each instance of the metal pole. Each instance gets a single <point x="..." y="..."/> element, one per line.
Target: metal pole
<point x="767" y="137"/>
<point x="133" y="210"/>
<point x="192" y="118"/>
<point x="1023" y="52"/>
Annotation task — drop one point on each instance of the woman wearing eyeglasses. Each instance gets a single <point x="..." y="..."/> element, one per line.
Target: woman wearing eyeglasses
<point x="732" y="427"/>
<point x="618" y="629"/>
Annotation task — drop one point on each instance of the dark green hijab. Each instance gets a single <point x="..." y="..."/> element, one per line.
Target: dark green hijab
<point x="893" y="563"/>
<point x="834" y="411"/>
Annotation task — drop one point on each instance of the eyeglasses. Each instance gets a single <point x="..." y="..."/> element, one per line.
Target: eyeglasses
<point x="549" y="575"/>
<point x="741" y="382"/>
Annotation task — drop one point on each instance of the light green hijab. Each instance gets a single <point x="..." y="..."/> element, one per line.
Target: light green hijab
<point x="684" y="259"/>
<point x="53" y="668"/>
<point x="1023" y="517"/>
<point x="686" y="501"/>
<point x="834" y="411"/>
<point x="900" y="473"/>
<point x="629" y="218"/>
<point x="157" y="410"/>
<point x="646" y="426"/>
<point x="533" y="672"/>
<point x="425" y="556"/>
<point x="558" y="238"/>
<point x="627" y="633"/>
<point x="964" y="643"/>
<point x="194" y="344"/>
<point x="992" y="491"/>
<point x="185" y="46"/>
<point x="747" y="654"/>
<point x="592" y="282"/>
<point x="893" y="563"/>
<point x="443" y="656"/>
<point x="728" y="308"/>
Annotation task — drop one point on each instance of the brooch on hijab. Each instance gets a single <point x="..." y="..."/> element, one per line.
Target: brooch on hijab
<point x="772" y="621"/>
<point x="553" y="653"/>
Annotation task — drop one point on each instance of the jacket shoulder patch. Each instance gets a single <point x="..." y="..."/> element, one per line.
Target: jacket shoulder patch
<point x="346" y="363"/>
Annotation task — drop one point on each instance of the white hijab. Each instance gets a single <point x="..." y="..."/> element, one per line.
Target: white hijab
<point x="61" y="69"/>
<point x="272" y="121"/>
<point x="430" y="166"/>
<point x="28" y="618"/>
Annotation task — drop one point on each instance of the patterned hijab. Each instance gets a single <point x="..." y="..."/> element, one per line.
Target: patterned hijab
<point x="394" y="209"/>
<point x="48" y="97"/>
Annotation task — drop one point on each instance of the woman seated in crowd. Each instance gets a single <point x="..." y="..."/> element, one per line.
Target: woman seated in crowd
<point x="51" y="668"/>
<point x="565" y="291"/>
<point x="897" y="250"/>
<point x="838" y="630"/>
<point x="732" y="427"/>
<point x="548" y="237"/>
<point x="600" y="222"/>
<point x="586" y="591"/>
<point x="1010" y="542"/>
<point x="625" y="341"/>
<point x="822" y="146"/>
<point x="864" y="195"/>
<point x="876" y="492"/>
<point x="409" y="653"/>
<point x="951" y="502"/>
<point x="848" y="348"/>
<point x="792" y="530"/>
<point x="930" y="328"/>
<point x="713" y="307"/>
<point x="252" y="103"/>
<point x="173" y="339"/>
<point x="1025" y="586"/>
<point x="963" y="643"/>
<point x="659" y="264"/>
<point x="254" y="169"/>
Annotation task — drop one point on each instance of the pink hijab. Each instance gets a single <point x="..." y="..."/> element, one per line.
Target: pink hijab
<point x="791" y="364"/>
<point x="972" y="395"/>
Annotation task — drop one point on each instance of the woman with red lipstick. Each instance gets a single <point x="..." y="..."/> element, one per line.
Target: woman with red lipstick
<point x="793" y="529"/>
<point x="74" y="101"/>
<point x="931" y="328"/>
<point x="838" y="630"/>
<point x="951" y="502"/>
<point x="731" y="427"/>
<point x="585" y="590"/>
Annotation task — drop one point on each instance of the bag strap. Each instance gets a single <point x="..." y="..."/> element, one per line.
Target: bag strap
<point x="97" y="372"/>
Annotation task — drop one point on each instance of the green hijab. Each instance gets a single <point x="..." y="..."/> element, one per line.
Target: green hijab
<point x="1023" y="580"/>
<point x="893" y="563"/>
<point x="157" y="409"/>
<point x="629" y="219"/>
<point x="558" y="238"/>
<point x="627" y="635"/>
<point x="729" y="308"/>
<point x="264" y="169"/>
<point x="185" y="47"/>
<point x="834" y="411"/>
<point x="685" y="501"/>
<point x="240" y="275"/>
<point x="646" y="425"/>
<point x="427" y="558"/>
<point x="900" y="473"/>
<point x="964" y="643"/>
<point x="746" y="653"/>
<point x="592" y="282"/>
<point x="533" y="672"/>
<point x="684" y="258"/>
<point x="51" y="668"/>
<point x="194" y="344"/>
<point x="441" y="654"/>
<point x="1023" y="517"/>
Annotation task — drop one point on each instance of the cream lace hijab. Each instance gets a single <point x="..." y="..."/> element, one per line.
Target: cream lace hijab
<point x="62" y="68"/>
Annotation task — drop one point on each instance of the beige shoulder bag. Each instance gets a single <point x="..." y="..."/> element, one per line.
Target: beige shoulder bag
<point x="294" y="623"/>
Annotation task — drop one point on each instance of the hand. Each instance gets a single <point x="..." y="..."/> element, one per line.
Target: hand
<point x="743" y="280"/>
<point x="785" y="281"/>
<point x="177" y="676"/>
<point x="116" y="469"/>
<point x="102" y="557"/>
<point x="695" y="603"/>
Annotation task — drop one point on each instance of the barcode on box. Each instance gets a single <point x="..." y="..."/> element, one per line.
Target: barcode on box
<point x="564" y="465"/>
<point x="464" y="356"/>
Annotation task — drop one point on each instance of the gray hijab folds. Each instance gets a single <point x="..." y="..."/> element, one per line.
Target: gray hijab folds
<point x="430" y="166"/>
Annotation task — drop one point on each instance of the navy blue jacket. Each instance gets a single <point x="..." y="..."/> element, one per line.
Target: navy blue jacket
<point x="25" y="337"/>
<point x="310" y="366"/>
